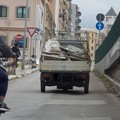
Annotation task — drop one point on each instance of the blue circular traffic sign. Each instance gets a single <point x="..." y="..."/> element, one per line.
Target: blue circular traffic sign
<point x="99" y="25"/>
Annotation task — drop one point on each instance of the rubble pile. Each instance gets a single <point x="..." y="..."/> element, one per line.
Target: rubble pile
<point x="54" y="51"/>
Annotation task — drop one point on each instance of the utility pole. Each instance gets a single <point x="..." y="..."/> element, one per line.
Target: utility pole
<point x="25" y="29"/>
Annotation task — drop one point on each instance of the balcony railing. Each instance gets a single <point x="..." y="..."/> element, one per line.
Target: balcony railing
<point x="78" y="27"/>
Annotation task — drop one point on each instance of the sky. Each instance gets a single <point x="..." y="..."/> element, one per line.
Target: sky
<point x="90" y="8"/>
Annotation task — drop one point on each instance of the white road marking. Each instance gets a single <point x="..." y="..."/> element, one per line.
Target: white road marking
<point x="76" y="102"/>
<point x="97" y="118"/>
<point x="85" y="118"/>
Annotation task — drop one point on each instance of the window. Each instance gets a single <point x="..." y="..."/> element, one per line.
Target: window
<point x="92" y="34"/>
<point x="3" y="11"/>
<point x="92" y="48"/>
<point x="21" y="12"/>
<point x="91" y="54"/>
<point x="42" y="17"/>
<point x="108" y="18"/>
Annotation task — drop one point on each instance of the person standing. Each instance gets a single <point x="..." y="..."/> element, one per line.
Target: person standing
<point x="15" y="49"/>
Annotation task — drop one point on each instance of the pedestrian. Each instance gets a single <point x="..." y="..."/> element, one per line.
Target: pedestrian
<point x="5" y="52"/>
<point x="15" y="49"/>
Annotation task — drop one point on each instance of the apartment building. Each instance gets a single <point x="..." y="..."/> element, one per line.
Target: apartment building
<point x="75" y="20"/>
<point x="43" y="16"/>
<point x="63" y="14"/>
<point x="12" y="22"/>
<point x="90" y="39"/>
<point x="110" y="18"/>
<point x="49" y="21"/>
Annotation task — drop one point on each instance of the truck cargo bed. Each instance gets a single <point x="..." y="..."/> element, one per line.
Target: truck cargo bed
<point x="65" y="56"/>
<point x="75" y="66"/>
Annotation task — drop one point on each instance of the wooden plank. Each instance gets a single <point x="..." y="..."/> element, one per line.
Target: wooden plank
<point x="54" y="56"/>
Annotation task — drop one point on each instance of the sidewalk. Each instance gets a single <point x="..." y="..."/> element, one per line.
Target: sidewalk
<point x="115" y="83"/>
<point x="20" y="72"/>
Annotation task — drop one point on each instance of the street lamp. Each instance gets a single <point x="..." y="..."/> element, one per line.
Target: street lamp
<point x="24" y="47"/>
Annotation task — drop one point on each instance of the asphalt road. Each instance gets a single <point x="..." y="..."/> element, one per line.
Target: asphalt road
<point x="28" y="103"/>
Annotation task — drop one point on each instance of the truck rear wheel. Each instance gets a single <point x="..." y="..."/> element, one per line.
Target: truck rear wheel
<point x="42" y="86"/>
<point x="86" y="85"/>
<point x="86" y="89"/>
<point x="42" y="83"/>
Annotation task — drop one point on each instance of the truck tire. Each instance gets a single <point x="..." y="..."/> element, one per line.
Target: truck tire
<point x="42" y="86"/>
<point x="42" y="83"/>
<point x="86" y="86"/>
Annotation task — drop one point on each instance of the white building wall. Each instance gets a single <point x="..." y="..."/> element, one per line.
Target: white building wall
<point x="57" y="14"/>
<point x="13" y="26"/>
<point x="73" y="18"/>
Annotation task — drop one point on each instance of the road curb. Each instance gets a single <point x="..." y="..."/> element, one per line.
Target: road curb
<point x="116" y="84"/>
<point x="22" y="73"/>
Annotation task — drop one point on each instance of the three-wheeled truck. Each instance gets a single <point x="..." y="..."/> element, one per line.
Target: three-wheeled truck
<point x="67" y="70"/>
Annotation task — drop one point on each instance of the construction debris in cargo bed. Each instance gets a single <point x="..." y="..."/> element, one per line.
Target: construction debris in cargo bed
<point x="54" y="51"/>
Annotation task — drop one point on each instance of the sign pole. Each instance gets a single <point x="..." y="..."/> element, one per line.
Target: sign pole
<point x="30" y="52"/>
<point x="99" y="35"/>
<point x="35" y="49"/>
<point x="99" y="26"/>
<point x="99" y="38"/>
<point x="24" y="47"/>
<point x="31" y="31"/>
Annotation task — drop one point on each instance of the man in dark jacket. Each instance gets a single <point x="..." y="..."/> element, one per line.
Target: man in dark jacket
<point x="16" y="50"/>
<point x="5" y="52"/>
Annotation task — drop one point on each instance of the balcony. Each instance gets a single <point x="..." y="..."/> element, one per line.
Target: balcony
<point x="60" y="15"/>
<point x="78" y="34"/>
<point x="69" y="10"/>
<point x="69" y="18"/>
<point x="49" y="0"/>
<point x="64" y="3"/>
<point x="79" y="21"/>
<point x="78" y="27"/>
<point x="64" y="12"/>
<point x="42" y="1"/>
<point x="78" y="13"/>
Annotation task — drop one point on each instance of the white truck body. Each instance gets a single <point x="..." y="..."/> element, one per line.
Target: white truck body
<point x="66" y="68"/>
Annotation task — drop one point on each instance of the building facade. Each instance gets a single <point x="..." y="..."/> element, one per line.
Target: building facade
<point x="12" y="21"/>
<point x="63" y="11"/>
<point x="90" y="38"/>
<point x="44" y="17"/>
<point x="110" y="18"/>
<point x="75" y="20"/>
<point x="49" y="18"/>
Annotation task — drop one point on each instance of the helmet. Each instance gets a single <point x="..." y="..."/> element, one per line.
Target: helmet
<point x="2" y="39"/>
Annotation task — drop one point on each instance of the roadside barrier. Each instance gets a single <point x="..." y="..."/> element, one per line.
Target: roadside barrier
<point x="10" y="66"/>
